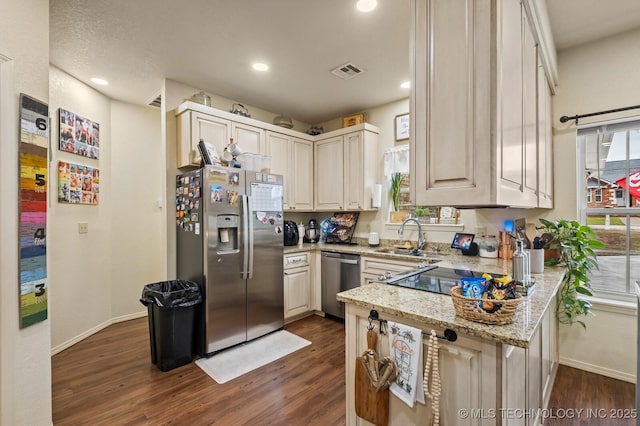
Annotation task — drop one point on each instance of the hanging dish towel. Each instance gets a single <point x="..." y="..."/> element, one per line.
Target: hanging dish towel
<point x="405" y="346"/>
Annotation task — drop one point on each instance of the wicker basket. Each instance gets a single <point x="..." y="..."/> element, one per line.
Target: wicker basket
<point x="468" y="308"/>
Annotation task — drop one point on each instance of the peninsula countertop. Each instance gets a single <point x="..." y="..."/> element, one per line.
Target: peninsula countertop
<point x="437" y="310"/>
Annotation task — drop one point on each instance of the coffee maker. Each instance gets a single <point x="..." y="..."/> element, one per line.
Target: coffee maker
<point x="312" y="232"/>
<point x="290" y="233"/>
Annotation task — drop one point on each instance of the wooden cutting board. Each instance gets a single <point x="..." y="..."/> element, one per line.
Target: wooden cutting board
<point x="371" y="405"/>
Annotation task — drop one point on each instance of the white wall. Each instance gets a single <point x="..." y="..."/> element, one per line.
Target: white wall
<point x="80" y="264"/>
<point x="594" y="77"/>
<point x="25" y="365"/>
<point x="137" y="221"/>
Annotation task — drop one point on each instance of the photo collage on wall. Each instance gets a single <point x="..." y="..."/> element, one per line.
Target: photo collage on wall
<point x="79" y="135"/>
<point x="78" y="184"/>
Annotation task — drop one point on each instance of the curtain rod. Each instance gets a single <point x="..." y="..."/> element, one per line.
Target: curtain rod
<point x="564" y="118"/>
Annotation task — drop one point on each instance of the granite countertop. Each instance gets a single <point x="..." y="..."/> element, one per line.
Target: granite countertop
<point x="436" y="309"/>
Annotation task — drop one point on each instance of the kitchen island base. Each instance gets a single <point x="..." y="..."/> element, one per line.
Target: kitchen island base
<point x="484" y="382"/>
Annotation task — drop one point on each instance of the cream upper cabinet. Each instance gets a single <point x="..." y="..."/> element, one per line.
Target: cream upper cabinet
<point x="329" y="174"/>
<point x="473" y="104"/>
<point x="248" y="138"/>
<point x="545" y="142"/>
<point x="302" y="180"/>
<point x="195" y="125"/>
<point x="292" y="158"/>
<point x="345" y="171"/>
<point x="333" y="171"/>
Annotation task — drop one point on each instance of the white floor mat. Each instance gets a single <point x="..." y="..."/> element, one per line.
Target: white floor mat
<point x="235" y="362"/>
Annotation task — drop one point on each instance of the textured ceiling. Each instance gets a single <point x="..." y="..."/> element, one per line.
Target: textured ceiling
<point x="210" y="44"/>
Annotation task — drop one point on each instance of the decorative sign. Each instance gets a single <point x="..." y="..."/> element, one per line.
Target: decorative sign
<point x="401" y="125"/>
<point x="634" y="184"/>
<point x="79" y="135"/>
<point x="34" y="143"/>
<point x="78" y="184"/>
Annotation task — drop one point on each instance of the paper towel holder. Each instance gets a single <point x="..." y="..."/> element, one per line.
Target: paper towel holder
<point x="376" y="196"/>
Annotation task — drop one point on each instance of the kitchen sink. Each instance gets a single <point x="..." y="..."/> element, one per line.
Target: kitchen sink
<point x="410" y="252"/>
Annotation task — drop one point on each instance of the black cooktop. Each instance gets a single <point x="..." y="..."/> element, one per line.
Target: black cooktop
<point x="432" y="278"/>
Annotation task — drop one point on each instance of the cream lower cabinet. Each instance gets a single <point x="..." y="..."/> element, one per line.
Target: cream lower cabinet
<point x="345" y="170"/>
<point x="474" y="103"/>
<point x="483" y="382"/>
<point x="292" y="158"/>
<point x="302" y="291"/>
<point x="467" y="371"/>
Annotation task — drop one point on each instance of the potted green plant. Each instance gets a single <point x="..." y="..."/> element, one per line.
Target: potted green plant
<point x="575" y="244"/>
<point x="396" y="185"/>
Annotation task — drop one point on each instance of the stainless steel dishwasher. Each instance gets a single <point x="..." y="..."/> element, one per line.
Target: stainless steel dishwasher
<point x="340" y="272"/>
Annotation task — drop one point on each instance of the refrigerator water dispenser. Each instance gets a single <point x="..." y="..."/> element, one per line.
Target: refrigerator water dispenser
<point x="227" y="225"/>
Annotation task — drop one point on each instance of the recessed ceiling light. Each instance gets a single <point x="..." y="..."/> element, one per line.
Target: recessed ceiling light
<point x="366" y="5"/>
<point x="99" y="81"/>
<point x="259" y="66"/>
<point x="406" y="85"/>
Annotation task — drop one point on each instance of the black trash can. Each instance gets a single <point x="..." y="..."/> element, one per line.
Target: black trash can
<point x="171" y="307"/>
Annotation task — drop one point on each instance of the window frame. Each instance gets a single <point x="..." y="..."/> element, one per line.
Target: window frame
<point x="584" y="196"/>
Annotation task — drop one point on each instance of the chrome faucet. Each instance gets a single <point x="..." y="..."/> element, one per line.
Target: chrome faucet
<point x="421" y="240"/>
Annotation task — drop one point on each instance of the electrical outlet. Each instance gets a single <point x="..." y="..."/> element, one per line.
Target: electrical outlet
<point x="480" y="230"/>
<point x="83" y="227"/>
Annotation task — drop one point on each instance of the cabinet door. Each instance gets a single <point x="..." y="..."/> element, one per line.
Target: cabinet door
<point x="213" y="130"/>
<point x="530" y="116"/>
<point x="329" y="175"/>
<point x="545" y="142"/>
<point x="297" y="296"/>
<point x="451" y="103"/>
<point x="354" y="171"/>
<point x="279" y="148"/>
<point x="302" y="175"/>
<point x="248" y="138"/>
<point x="510" y="99"/>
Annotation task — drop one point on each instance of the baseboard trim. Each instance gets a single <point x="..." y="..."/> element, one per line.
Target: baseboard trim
<point x="603" y="371"/>
<point x="128" y="317"/>
<point x="80" y="337"/>
<point x="61" y="347"/>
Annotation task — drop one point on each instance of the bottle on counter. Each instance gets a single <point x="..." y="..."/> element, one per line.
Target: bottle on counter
<point x="300" y="233"/>
<point x="521" y="265"/>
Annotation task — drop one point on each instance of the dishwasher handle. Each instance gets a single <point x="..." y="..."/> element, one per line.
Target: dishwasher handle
<point x="340" y="260"/>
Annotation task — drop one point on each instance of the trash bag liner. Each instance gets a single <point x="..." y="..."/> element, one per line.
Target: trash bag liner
<point x="171" y="294"/>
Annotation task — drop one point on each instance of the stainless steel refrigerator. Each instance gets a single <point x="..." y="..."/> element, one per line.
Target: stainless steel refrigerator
<point x="229" y="240"/>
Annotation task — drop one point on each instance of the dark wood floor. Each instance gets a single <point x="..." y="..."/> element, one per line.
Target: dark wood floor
<point x="593" y="399"/>
<point x="108" y="378"/>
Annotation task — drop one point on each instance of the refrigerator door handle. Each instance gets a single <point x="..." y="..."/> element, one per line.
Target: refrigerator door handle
<point x="245" y="235"/>
<point x="250" y="221"/>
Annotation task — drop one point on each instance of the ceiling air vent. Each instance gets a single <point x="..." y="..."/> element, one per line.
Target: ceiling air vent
<point x="347" y="71"/>
<point x="155" y="101"/>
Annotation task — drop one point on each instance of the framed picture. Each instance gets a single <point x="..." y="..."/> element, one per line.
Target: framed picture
<point x="79" y="135"/>
<point x="402" y="127"/>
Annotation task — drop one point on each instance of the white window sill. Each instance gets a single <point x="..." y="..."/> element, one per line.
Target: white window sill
<point x="622" y="305"/>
